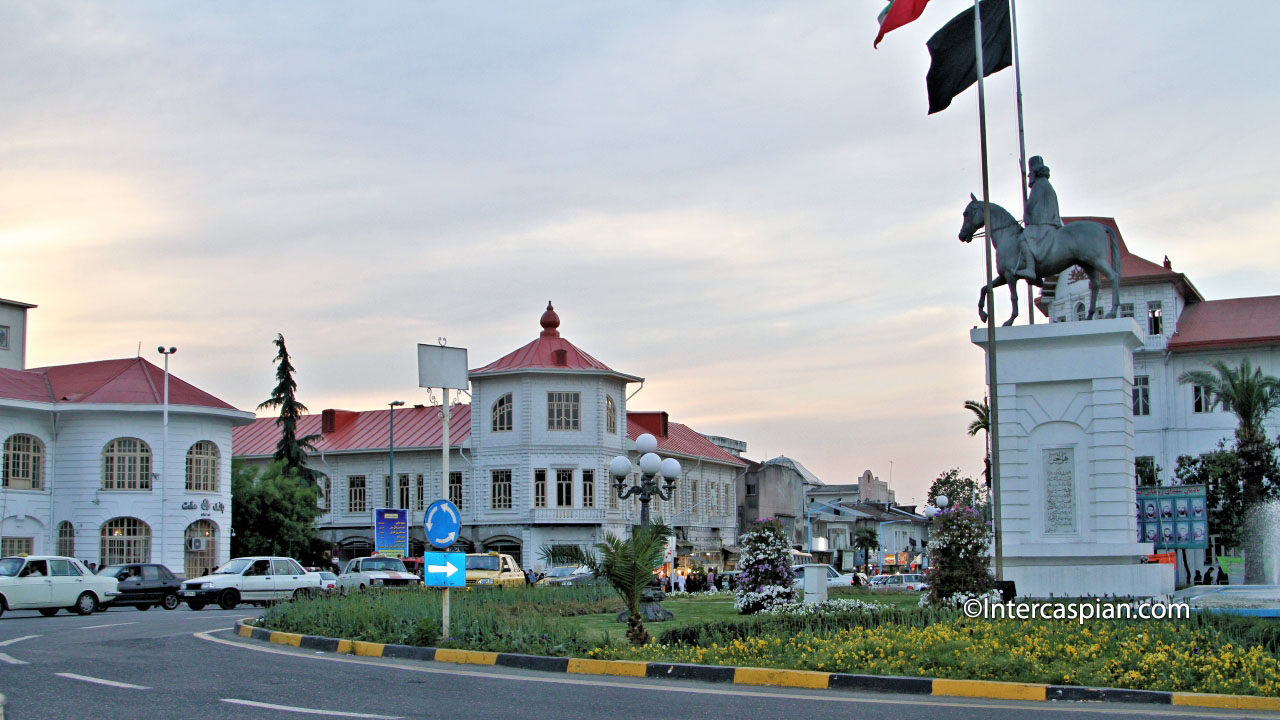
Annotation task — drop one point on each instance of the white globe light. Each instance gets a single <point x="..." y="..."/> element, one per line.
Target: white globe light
<point x="671" y="468"/>
<point x="646" y="443"/>
<point x="650" y="464"/>
<point x="942" y="501"/>
<point x="620" y="467"/>
<point x="930" y="512"/>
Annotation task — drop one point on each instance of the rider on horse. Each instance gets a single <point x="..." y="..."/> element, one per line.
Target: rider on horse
<point x="1040" y="216"/>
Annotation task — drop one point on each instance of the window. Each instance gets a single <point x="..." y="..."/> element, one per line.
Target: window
<point x="693" y="494"/>
<point x="1141" y="395"/>
<point x="125" y="540"/>
<point x="1080" y="311"/>
<point x="751" y="487"/>
<point x="126" y="465"/>
<point x="10" y="546"/>
<point x="326" y="493"/>
<point x="502" y="421"/>
<point x="201" y="556"/>
<point x="564" y="487"/>
<point x="1155" y="318"/>
<point x="455" y="489"/>
<point x="355" y="493"/>
<point x="405" y="498"/>
<point x="4" y="337"/>
<point x="66" y="539"/>
<point x="562" y="410"/>
<point x="588" y="488"/>
<point x="610" y="415"/>
<point x="387" y="497"/>
<point x="613" y="498"/>
<point x="1126" y="309"/>
<point x="500" y="480"/>
<point x="23" y="463"/>
<point x="202" y="467"/>
<point x="540" y="488"/>
<point x="1200" y="400"/>
<point x="420" y="498"/>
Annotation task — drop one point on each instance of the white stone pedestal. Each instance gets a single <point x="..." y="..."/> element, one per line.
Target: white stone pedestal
<point x="1067" y="500"/>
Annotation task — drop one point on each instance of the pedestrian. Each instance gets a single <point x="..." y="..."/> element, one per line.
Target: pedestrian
<point x="1222" y="577"/>
<point x="662" y="579"/>
<point x="1197" y="580"/>
<point x="684" y="580"/>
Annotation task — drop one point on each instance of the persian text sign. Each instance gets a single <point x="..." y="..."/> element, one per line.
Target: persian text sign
<point x="1059" y="490"/>
<point x="391" y="532"/>
<point x="1173" y="517"/>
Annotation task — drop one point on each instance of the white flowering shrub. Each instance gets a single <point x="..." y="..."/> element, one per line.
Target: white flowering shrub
<point x="767" y="578"/>
<point x="836" y="605"/>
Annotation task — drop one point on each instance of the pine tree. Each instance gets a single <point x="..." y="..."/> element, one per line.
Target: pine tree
<point x="291" y="449"/>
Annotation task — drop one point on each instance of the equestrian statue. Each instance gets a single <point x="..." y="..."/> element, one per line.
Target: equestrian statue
<point x="1045" y="247"/>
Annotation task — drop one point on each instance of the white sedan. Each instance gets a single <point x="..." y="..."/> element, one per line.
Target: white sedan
<point x="49" y="583"/>
<point x="834" y="577"/>
<point x="257" y="580"/>
<point x="375" y="572"/>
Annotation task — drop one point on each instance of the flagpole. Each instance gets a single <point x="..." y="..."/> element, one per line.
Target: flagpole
<point x="993" y="413"/>
<point x="1022" y="141"/>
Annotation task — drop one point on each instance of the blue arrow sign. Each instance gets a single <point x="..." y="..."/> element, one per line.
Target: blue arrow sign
<point x="444" y="569"/>
<point x="443" y="523"/>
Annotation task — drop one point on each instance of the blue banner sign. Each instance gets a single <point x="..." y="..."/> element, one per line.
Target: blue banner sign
<point x="391" y="532"/>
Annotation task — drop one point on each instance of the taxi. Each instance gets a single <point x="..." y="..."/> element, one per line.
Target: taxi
<point x="493" y="570"/>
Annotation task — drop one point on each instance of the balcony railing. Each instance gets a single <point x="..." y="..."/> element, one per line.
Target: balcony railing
<point x="568" y="515"/>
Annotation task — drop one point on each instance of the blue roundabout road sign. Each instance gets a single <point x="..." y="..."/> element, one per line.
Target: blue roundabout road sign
<point x="442" y="523"/>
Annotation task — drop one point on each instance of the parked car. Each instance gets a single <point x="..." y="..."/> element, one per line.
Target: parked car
<point x="50" y="583"/>
<point x="328" y="582"/>
<point x="568" y="575"/>
<point x="144" y="585"/>
<point x="907" y="581"/>
<point x="834" y="577"/>
<point x="493" y="569"/>
<point x="375" y="572"/>
<point x="257" y="580"/>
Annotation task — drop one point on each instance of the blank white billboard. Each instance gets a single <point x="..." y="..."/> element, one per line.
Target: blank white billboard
<point x="442" y="367"/>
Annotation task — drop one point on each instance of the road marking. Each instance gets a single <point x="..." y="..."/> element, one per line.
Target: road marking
<point x="91" y="627"/>
<point x="308" y="711"/>
<point x="926" y="700"/>
<point x="11" y="660"/>
<point x="100" y="681"/>
<point x="11" y="641"/>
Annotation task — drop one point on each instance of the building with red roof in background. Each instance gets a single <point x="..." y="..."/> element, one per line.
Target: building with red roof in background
<point x="87" y="471"/>
<point x="529" y="459"/>
<point x="1181" y="331"/>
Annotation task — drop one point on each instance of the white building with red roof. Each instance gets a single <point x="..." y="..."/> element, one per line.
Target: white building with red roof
<point x="528" y="463"/>
<point x="1182" y="331"/>
<point x="87" y="471"/>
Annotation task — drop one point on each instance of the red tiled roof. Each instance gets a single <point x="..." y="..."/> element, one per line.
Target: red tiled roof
<point x="416" y="427"/>
<point x="683" y="440"/>
<point x="548" y="352"/>
<point x="132" y="381"/>
<point x="1225" y="323"/>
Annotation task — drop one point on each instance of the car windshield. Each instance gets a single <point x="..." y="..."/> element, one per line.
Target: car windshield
<point x="331" y="576"/>
<point x="562" y="572"/>
<point x="10" y="566"/>
<point x="112" y="570"/>
<point x="233" y="567"/>
<point x="482" y="562"/>
<point x="382" y="564"/>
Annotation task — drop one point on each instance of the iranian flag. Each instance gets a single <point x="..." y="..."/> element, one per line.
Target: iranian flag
<point x="898" y="13"/>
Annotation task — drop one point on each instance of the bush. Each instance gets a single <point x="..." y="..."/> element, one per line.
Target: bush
<point x="767" y="578"/>
<point x="958" y="550"/>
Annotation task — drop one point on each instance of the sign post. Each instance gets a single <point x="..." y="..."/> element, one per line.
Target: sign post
<point x="443" y="570"/>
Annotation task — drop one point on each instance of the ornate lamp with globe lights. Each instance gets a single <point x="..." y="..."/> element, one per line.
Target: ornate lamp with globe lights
<point x="650" y="467"/>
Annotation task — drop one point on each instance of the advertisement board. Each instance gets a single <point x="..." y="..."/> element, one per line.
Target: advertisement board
<point x="1173" y="517"/>
<point x="391" y="532"/>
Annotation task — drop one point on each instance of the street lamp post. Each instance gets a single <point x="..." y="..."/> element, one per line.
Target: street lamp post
<point x="650" y="467"/>
<point x="391" y="445"/>
<point x="164" y="446"/>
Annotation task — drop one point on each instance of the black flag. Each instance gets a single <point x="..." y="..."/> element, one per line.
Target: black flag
<point x="954" y="57"/>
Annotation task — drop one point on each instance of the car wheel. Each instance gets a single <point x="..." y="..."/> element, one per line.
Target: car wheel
<point x="49" y="612"/>
<point x="170" y="601"/>
<point x="303" y="593"/>
<point x="144" y="607"/>
<point x="362" y="584"/>
<point x="200" y="606"/>
<point x="229" y="599"/>
<point x="86" y="603"/>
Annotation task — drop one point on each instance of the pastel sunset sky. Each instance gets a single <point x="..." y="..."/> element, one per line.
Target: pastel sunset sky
<point x="742" y="202"/>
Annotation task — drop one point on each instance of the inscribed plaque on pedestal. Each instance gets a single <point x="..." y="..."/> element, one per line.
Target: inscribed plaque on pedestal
<point x="1059" y="490"/>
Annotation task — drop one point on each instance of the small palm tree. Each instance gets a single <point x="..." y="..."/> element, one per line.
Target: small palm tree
<point x="866" y="540"/>
<point x="628" y="565"/>
<point x="981" y="423"/>
<point x="1252" y="396"/>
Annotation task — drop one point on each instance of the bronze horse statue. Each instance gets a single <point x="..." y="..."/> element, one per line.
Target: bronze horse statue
<point x="1093" y="246"/>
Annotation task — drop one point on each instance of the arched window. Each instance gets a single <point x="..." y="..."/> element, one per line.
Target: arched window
<point x="125" y="540"/>
<point x="1081" y="314"/>
<point x="66" y="539"/>
<point x="23" y="463"/>
<point x="502" y="420"/>
<point x="611" y="415"/>
<point x="200" y="541"/>
<point x="202" y="467"/>
<point x="126" y="465"/>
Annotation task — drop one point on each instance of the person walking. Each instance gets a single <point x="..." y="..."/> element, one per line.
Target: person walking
<point x="711" y="580"/>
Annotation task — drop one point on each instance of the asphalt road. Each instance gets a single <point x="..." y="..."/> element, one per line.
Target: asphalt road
<point x="129" y="665"/>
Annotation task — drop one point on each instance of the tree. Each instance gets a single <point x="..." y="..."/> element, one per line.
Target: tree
<point x="767" y="578"/>
<point x="958" y="554"/>
<point x="981" y="424"/>
<point x="1219" y="472"/>
<point x="1147" y="472"/>
<point x="272" y="511"/>
<point x="291" y="449"/>
<point x="961" y="491"/>
<point x="628" y="567"/>
<point x="866" y="540"/>
<point x="1252" y="396"/>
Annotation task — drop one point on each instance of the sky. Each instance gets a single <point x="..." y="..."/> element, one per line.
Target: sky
<point x="742" y="202"/>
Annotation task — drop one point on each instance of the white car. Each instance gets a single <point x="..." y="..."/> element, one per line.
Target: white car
<point x="375" y="572"/>
<point x="834" y="577"/>
<point x="49" y="583"/>
<point x="906" y="581"/>
<point x="258" y="580"/>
